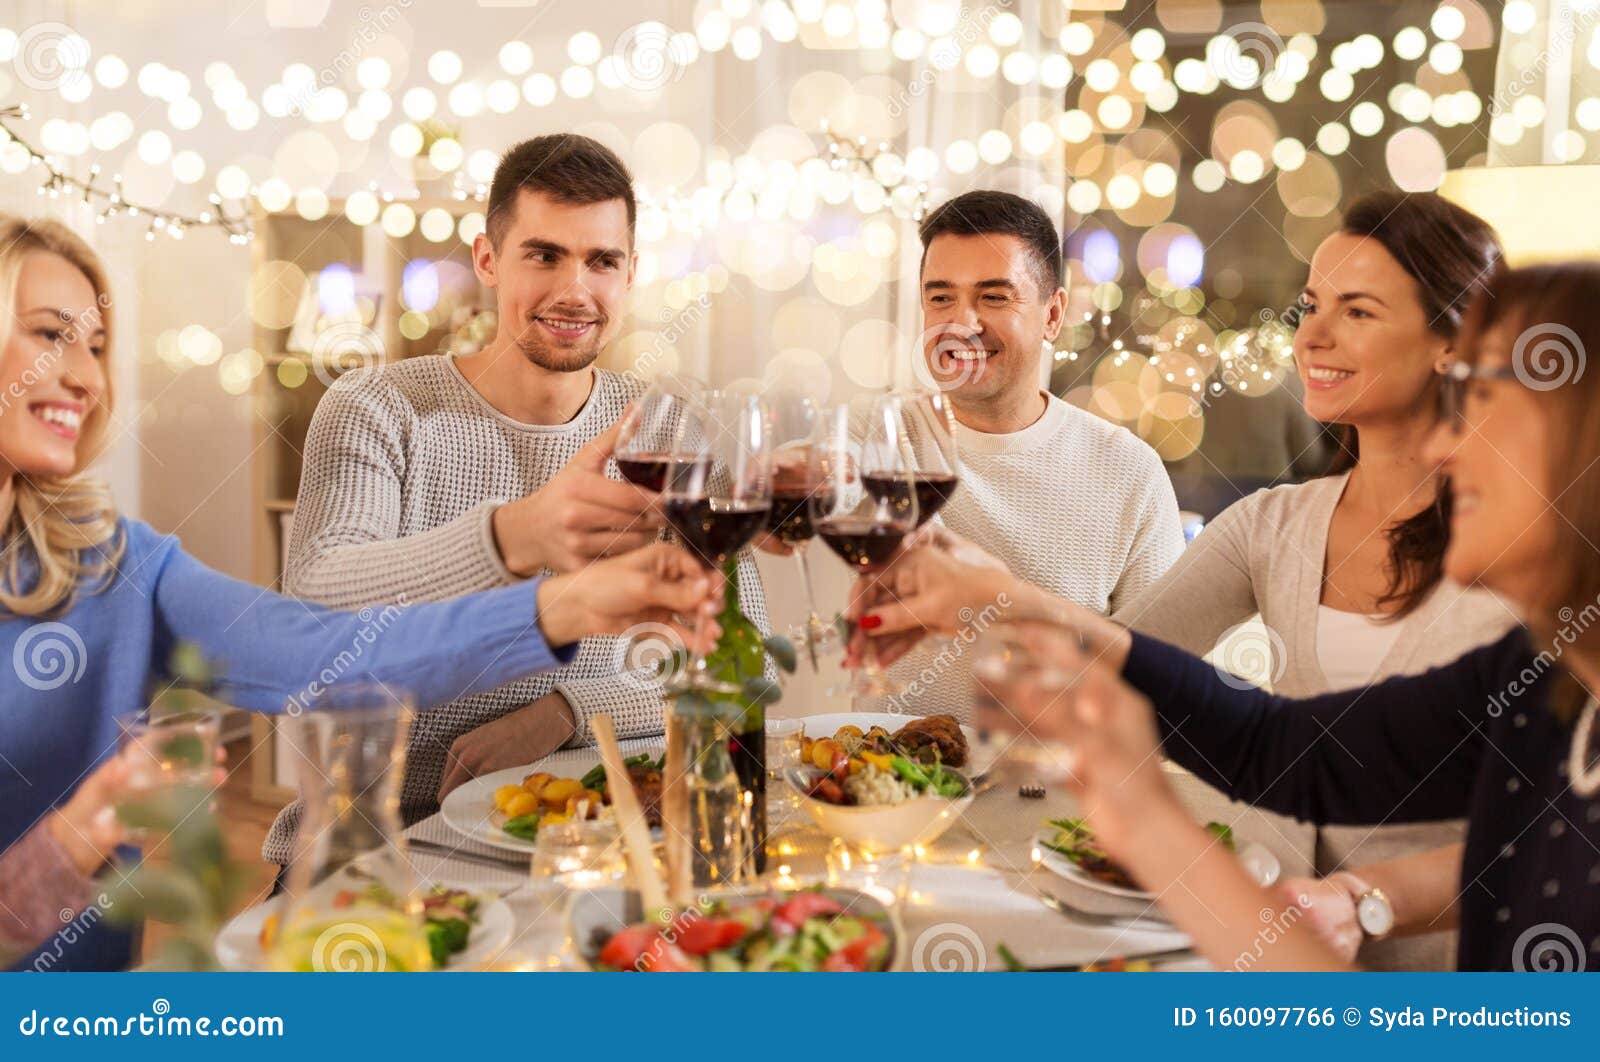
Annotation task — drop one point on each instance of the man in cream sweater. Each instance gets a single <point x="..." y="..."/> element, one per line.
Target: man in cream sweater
<point x="1068" y="501"/>
<point x="436" y="476"/>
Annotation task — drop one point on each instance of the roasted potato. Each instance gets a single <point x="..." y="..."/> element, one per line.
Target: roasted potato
<point x="524" y="803"/>
<point x="556" y="792"/>
<point x="822" y="753"/>
<point x="536" y="781"/>
<point x="503" y="795"/>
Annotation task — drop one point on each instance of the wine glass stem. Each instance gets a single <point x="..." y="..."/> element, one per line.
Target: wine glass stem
<point x="805" y="579"/>
<point x="813" y="622"/>
<point x="697" y="664"/>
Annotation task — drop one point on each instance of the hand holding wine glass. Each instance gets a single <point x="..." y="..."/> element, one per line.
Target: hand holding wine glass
<point x="718" y="497"/>
<point x="867" y="503"/>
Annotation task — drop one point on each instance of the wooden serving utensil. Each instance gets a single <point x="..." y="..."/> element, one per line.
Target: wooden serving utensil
<point x="630" y="819"/>
<point x="675" y="815"/>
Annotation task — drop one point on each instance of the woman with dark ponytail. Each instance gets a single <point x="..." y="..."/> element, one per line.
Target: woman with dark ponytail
<point x="1346" y="570"/>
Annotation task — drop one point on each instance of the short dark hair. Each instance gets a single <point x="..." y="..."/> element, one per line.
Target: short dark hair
<point x="987" y="212"/>
<point x="564" y="166"/>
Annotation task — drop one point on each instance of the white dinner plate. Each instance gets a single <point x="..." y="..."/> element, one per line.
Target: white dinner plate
<point x="469" y="808"/>
<point x="979" y="759"/>
<point x="239" y="943"/>
<point x="1257" y="859"/>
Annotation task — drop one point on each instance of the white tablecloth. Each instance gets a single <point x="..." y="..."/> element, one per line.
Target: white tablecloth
<point x="976" y="890"/>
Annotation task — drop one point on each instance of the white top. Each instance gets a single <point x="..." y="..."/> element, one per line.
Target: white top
<point x="1071" y="503"/>
<point x="1351" y="646"/>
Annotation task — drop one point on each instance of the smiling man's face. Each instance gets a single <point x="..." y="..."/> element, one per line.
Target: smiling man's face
<point x="985" y="318"/>
<point x="561" y="275"/>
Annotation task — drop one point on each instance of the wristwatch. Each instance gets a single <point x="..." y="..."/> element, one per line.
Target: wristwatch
<point x="1375" y="913"/>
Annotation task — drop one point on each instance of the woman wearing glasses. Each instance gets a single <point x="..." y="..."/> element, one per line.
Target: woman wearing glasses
<point x="1503" y="736"/>
<point x="1345" y="570"/>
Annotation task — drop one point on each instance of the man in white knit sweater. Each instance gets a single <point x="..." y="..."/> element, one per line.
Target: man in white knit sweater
<point x="1068" y="501"/>
<point x="437" y="476"/>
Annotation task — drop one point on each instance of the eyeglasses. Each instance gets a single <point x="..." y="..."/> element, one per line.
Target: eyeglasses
<point x="1453" y="388"/>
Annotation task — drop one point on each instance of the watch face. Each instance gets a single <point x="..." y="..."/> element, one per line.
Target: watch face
<point x="1375" y="915"/>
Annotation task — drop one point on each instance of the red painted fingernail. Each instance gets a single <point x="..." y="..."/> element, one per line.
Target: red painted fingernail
<point x="871" y="623"/>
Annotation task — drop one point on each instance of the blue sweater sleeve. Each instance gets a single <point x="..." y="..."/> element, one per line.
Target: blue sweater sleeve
<point x="271" y="652"/>
<point x="1405" y="750"/>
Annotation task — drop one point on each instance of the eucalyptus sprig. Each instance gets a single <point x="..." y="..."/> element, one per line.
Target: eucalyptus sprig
<point x="195" y="885"/>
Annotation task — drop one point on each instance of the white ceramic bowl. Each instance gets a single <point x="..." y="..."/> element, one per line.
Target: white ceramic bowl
<point x="595" y="915"/>
<point x="882" y="827"/>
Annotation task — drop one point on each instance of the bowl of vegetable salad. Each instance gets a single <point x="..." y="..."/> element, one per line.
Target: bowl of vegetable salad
<point x="835" y="930"/>
<point x="884" y="802"/>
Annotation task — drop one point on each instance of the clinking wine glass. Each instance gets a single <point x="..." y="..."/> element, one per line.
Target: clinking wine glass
<point x="718" y="498"/>
<point x="867" y="502"/>
<point x="926" y="427"/>
<point x="647" y="443"/>
<point x="794" y="426"/>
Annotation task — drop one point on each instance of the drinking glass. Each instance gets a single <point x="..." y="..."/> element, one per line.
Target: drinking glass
<point x="647" y="443"/>
<point x="1017" y="673"/>
<point x="866" y="502"/>
<point x="926" y="426"/>
<point x="794" y="426"/>
<point x="719" y="496"/>
<point x="169" y="749"/>
<point x="569" y="858"/>
<point x="352" y="903"/>
<point x="783" y="754"/>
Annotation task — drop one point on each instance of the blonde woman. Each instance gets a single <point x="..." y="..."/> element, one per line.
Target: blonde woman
<point x="91" y="603"/>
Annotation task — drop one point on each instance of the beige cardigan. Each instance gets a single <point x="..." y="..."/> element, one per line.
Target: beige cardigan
<point x="1266" y="553"/>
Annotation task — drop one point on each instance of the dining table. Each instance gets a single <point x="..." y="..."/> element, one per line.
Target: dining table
<point x="979" y="898"/>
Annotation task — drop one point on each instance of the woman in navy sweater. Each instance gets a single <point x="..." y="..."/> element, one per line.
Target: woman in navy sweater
<point x="1504" y="736"/>
<point x="92" y="604"/>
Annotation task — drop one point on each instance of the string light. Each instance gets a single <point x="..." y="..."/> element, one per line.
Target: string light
<point x="58" y="183"/>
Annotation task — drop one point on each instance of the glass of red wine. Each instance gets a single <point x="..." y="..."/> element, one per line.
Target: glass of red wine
<point x="925" y="428"/>
<point x="647" y="444"/>
<point x="794" y="427"/>
<point x="718" y="495"/>
<point x="866" y="501"/>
